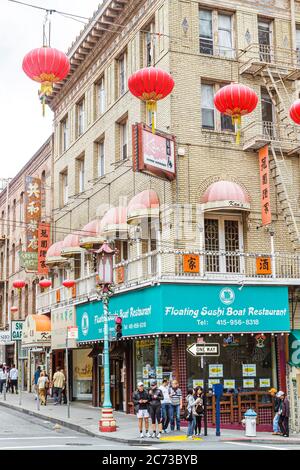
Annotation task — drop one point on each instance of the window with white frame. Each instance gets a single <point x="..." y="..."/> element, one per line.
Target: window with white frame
<point x="124" y="139"/>
<point x="64" y="188"/>
<point x="100" y="159"/>
<point x="80" y="175"/>
<point x="298" y="42"/>
<point x="64" y="134"/>
<point x="265" y="29"/>
<point x="216" y="33"/>
<point x="211" y="119"/>
<point x="122" y="74"/>
<point x="224" y="242"/>
<point x="80" y="117"/>
<point x="101" y="97"/>
<point x="149" y="44"/>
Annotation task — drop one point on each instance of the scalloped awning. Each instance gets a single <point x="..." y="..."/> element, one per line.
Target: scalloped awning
<point x="54" y="254"/>
<point x="225" y="195"/>
<point x="143" y="205"/>
<point x="115" y="220"/>
<point x="71" y="245"/>
<point x="91" y="234"/>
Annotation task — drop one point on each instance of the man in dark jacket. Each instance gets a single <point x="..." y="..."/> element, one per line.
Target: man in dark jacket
<point x="140" y="399"/>
<point x="276" y="403"/>
<point x="284" y="414"/>
<point x="156" y="396"/>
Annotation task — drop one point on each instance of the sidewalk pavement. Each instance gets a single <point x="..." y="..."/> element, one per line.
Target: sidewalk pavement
<point x="85" y="418"/>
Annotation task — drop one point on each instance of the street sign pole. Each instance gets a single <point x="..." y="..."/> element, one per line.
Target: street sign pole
<point x="204" y="395"/>
<point x="67" y="375"/>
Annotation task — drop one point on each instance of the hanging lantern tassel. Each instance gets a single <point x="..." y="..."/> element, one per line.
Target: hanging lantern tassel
<point x="237" y="121"/>
<point x="152" y="108"/>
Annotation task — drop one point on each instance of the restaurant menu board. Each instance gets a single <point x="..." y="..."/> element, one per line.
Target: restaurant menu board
<point x="197" y="383"/>
<point x="248" y="383"/>
<point x="212" y="382"/>
<point x="249" y="370"/>
<point x="264" y="383"/>
<point x="228" y="383"/>
<point x="215" y="370"/>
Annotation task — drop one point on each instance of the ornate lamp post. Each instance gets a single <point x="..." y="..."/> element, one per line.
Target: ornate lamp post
<point x="105" y="254"/>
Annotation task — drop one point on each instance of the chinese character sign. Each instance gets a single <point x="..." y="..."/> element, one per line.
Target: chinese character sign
<point x="191" y="263"/>
<point x="33" y="212"/>
<point x="263" y="265"/>
<point x="43" y="245"/>
<point x="263" y="155"/>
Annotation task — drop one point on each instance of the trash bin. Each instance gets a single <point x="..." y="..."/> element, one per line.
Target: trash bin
<point x="250" y="423"/>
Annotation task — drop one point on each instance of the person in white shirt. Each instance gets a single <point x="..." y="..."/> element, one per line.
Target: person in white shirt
<point x="13" y="375"/>
<point x="3" y="377"/>
<point x="165" y="405"/>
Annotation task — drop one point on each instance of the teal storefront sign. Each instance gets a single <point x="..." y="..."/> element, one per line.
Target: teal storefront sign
<point x="181" y="308"/>
<point x="294" y="348"/>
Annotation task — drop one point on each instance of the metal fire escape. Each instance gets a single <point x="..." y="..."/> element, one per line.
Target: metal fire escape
<point x="282" y="136"/>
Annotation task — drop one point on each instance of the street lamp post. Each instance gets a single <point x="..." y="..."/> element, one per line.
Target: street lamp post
<point x="107" y="422"/>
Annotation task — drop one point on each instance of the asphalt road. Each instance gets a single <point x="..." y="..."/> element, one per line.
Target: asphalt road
<point x="23" y="432"/>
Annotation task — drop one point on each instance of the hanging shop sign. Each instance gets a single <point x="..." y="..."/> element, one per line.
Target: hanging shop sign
<point x="153" y="153"/>
<point x="5" y="337"/>
<point x="191" y="263"/>
<point x="28" y="261"/>
<point x="173" y="308"/>
<point x="43" y="245"/>
<point x="263" y="158"/>
<point x="263" y="266"/>
<point x="62" y="319"/>
<point x="32" y="213"/>
<point x="37" y="331"/>
<point x="17" y="330"/>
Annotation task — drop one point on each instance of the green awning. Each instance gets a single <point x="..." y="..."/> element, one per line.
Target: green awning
<point x="294" y="348"/>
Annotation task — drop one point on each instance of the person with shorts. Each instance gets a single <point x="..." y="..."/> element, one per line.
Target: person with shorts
<point x="156" y="396"/>
<point x="140" y="399"/>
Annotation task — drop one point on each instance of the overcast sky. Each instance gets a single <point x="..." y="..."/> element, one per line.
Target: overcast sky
<point x="23" y="129"/>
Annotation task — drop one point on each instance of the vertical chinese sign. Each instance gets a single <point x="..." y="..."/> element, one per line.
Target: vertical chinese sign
<point x="32" y="216"/>
<point x="263" y="156"/>
<point x="43" y="245"/>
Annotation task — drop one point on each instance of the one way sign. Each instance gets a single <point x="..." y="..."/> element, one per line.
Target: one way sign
<point x="204" y="349"/>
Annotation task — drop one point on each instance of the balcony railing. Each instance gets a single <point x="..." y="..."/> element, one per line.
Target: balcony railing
<point x="258" y="133"/>
<point x="207" y="47"/>
<point x="168" y="265"/>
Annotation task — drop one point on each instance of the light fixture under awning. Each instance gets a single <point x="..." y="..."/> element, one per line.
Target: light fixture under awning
<point x="225" y="195"/>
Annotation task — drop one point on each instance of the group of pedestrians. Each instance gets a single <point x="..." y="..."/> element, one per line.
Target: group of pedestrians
<point x="163" y="406"/>
<point x="8" y="378"/>
<point x="42" y="386"/>
<point x="281" y="413"/>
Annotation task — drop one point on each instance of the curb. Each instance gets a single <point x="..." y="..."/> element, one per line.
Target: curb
<point x="289" y="441"/>
<point x="76" y="427"/>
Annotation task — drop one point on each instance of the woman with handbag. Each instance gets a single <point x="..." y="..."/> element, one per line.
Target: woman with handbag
<point x="198" y="410"/>
<point x="43" y="383"/>
<point x="190" y="401"/>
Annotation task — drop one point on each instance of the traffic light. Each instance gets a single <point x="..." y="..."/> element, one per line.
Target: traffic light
<point x="118" y="328"/>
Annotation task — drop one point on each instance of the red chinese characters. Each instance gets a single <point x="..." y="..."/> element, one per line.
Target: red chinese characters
<point x="32" y="212"/>
<point x="43" y="245"/>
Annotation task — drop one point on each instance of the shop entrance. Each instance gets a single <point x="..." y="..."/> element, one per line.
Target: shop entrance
<point x="116" y="390"/>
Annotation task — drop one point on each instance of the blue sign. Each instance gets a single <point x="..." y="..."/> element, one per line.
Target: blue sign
<point x="181" y="308"/>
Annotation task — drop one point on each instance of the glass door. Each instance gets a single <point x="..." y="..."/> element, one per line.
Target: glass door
<point x="264" y="40"/>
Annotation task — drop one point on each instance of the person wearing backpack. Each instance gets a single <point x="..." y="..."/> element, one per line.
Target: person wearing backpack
<point x="198" y="410"/>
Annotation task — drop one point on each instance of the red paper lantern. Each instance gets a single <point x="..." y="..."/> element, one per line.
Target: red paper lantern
<point x="69" y="283"/>
<point x="46" y="65"/>
<point x="45" y="283"/>
<point x="236" y="100"/>
<point x="19" y="284"/>
<point x="295" y="112"/>
<point x="151" y="85"/>
<point x="13" y="309"/>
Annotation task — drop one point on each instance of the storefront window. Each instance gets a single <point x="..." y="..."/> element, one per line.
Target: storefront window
<point x="153" y="360"/>
<point x="244" y="364"/>
<point x="82" y="374"/>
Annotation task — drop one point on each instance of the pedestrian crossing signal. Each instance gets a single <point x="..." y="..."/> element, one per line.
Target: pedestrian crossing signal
<point x="118" y="328"/>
